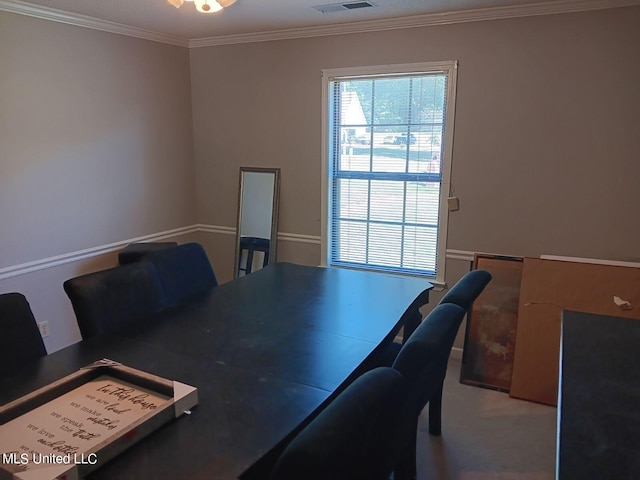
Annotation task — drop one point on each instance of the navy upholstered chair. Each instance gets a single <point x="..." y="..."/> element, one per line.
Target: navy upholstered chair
<point x="184" y="271"/>
<point x="20" y="339"/>
<point x="463" y="293"/>
<point x="135" y="251"/>
<point x="467" y="289"/>
<point x="112" y="299"/>
<point x="422" y="361"/>
<point x="250" y="245"/>
<point x="350" y="438"/>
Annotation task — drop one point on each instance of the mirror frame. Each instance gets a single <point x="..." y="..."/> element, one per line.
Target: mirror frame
<point x="274" y="213"/>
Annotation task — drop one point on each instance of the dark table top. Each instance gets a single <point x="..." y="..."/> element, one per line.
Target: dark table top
<point x="266" y="352"/>
<point x="599" y="404"/>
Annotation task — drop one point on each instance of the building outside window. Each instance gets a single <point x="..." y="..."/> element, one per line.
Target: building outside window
<point x="388" y="133"/>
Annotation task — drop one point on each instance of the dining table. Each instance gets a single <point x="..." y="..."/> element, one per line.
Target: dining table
<point x="267" y="352"/>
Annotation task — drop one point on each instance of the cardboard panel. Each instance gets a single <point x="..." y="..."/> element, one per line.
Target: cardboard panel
<point x="548" y="287"/>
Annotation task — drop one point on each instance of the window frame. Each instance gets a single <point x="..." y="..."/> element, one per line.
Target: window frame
<point x="450" y="68"/>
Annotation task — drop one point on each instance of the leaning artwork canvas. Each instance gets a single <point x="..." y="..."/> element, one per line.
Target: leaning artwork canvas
<point x="491" y="325"/>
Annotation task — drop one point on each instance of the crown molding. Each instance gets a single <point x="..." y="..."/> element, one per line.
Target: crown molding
<point x="426" y="20"/>
<point x="46" y="13"/>
<point x="432" y="19"/>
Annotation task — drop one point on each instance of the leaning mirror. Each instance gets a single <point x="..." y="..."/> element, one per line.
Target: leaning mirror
<point x="257" y="226"/>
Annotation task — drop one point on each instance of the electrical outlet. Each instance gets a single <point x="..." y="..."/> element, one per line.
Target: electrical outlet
<point x="44" y="329"/>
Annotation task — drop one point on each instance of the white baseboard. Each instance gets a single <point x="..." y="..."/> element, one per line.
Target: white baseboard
<point x="456" y="353"/>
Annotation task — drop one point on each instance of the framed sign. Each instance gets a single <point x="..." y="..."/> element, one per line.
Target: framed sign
<point x="70" y="427"/>
<point x="490" y="336"/>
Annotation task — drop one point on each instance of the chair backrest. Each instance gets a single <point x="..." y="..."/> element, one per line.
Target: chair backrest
<point x="109" y="300"/>
<point x="467" y="289"/>
<point x="349" y="438"/>
<point x="184" y="271"/>
<point x="422" y="360"/>
<point x="252" y="245"/>
<point x="135" y="251"/>
<point x="20" y="339"/>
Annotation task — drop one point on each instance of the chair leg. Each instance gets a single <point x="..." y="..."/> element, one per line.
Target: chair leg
<point x="412" y="321"/>
<point x="249" y="261"/>
<point x="406" y="468"/>
<point x="435" y="411"/>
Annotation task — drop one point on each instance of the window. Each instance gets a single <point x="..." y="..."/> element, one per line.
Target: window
<point x="387" y="161"/>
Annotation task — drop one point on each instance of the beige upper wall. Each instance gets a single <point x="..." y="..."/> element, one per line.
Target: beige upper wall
<point x="96" y="142"/>
<point x="95" y="139"/>
<point x="546" y="144"/>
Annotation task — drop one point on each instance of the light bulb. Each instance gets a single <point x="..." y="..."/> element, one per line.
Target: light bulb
<point x="207" y="6"/>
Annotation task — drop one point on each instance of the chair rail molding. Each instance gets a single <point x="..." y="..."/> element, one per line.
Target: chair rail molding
<point x="220" y="229"/>
<point x="283" y="236"/>
<point x="44" y="263"/>
<point x="460" y="255"/>
<point x="296" y="237"/>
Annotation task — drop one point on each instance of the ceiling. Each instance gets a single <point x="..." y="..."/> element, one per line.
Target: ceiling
<point x="283" y="17"/>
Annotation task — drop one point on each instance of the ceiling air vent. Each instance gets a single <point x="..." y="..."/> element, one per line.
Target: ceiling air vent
<point x="354" y="5"/>
<point x="340" y="7"/>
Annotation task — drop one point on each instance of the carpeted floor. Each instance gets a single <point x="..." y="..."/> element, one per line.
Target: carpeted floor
<point x="486" y="435"/>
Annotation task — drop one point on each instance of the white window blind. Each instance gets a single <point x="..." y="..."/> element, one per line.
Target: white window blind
<point x="387" y="157"/>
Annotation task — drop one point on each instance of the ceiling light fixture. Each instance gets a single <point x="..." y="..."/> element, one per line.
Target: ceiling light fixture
<point x="205" y="6"/>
